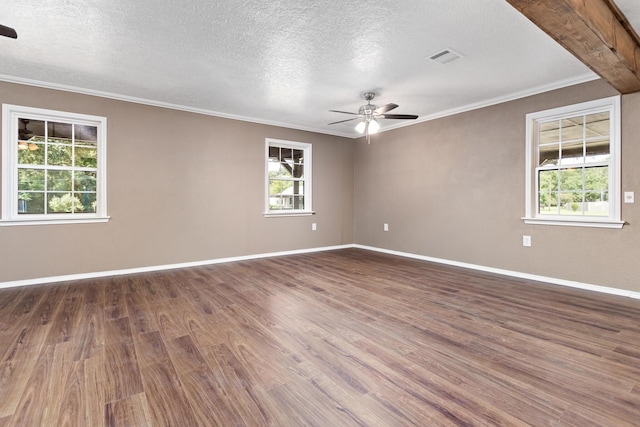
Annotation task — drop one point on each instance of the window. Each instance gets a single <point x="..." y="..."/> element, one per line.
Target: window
<point x="573" y="165"/>
<point x="53" y="167"/>
<point x="288" y="181"/>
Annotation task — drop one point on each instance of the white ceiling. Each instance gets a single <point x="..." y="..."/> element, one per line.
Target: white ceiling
<point x="287" y="62"/>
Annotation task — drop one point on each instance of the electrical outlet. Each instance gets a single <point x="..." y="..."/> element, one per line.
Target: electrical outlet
<point x="385" y="227"/>
<point x="526" y="241"/>
<point x="629" y="197"/>
<point x="314" y="226"/>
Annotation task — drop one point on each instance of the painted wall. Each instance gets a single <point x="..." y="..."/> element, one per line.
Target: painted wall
<point x="185" y="187"/>
<point x="182" y="187"/>
<point x="454" y="189"/>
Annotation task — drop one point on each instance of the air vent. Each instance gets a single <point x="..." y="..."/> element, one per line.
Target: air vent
<point x="445" y="56"/>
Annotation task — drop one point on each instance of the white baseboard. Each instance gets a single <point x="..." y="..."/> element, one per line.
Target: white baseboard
<point x="551" y="280"/>
<point x="81" y="276"/>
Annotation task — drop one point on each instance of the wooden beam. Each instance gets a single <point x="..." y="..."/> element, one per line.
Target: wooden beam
<point x="595" y="32"/>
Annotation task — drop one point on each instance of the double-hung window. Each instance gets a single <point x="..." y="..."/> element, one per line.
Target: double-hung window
<point x="573" y="165"/>
<point x="53" y="167"/>
<point x="288" y="180"/>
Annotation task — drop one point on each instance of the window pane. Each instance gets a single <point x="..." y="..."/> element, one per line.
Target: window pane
<point x="549" y="132"/>
<point x="298" y="171"/>
<point x="597" y="150"/>
<point x="598" y="124"/>
<point x="85" y="181"/>
<point x="31" y="203"/>
<point x="59" y="180"/>
<point x="30" y="130"/>
<point x="297" y="188"/>
<point x="572" y="128"/>
<point x="570" y="202"/>
<point x="59" y="155"/>
<point x="86" y="157"/>
<point x="597" y="203"/>
<point x="572" y="153"/>
<point x="548" y="202"/>
<point x="274" y="153"/>
<point x="86" y="135"/>
<point x="63" y="203"/>
<point x="286" y="154"/>
<point x="59" y="132"/>
<point x="298" y="156"/>
<point x="280" y="187"/>
<point x="30" y="153"/>
<point x="571" y="179"/>
<point x="549" y="154"/>
<point x="298" y="202"/>
<point x="30" y="179"/>
<point x="88" y="201"/>
<point x="596" y="178"/>
<point x="548" y="181"/>
<point x="282" y="170"/>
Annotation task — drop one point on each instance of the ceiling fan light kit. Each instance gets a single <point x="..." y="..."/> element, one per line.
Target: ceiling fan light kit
<point x="369" y="114"/>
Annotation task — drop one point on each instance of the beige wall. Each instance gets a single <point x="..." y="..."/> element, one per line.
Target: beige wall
<point x="185" y="187"/>
<point x="453" y="188"/>
<point x="182" y="187"/>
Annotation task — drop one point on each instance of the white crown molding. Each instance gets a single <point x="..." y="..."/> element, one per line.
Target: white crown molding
<point x="498" y="100"/>
<point x="154" y="103"/>
<point x="469" y="107"/>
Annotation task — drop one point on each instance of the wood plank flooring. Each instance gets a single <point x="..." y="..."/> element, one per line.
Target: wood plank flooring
<point x="340" y="338"/>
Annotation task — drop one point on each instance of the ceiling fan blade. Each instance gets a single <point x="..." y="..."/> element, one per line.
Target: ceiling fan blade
<point x="399" y="116"/>
<point x="383" y="109"/>
<point x="8" y="32"/>
<point x="342" y="121"/>
<point x="344" y="112"/>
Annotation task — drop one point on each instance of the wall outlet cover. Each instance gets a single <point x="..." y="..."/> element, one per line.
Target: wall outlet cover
<point x="629" y="197"/>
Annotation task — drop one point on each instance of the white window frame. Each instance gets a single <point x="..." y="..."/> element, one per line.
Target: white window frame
<point x="612" y="105"/>
<point x="10" y="125"/>
<point x="306" y="147"/>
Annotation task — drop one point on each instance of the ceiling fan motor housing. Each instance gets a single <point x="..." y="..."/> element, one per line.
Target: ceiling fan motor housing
<point x="367" y="110"/>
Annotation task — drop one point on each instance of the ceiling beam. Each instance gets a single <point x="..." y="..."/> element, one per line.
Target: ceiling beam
<point x="595" y="32"/>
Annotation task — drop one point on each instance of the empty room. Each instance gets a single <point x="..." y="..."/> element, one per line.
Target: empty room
<point x="320" y="213"/>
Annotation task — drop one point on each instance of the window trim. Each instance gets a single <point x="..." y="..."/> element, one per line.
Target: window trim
<point x="10" y="216"/>
<point x="307" y="147"/>
<point x="611" y="104"/>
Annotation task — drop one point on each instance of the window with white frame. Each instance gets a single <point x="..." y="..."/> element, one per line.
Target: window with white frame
<point x="288" y="180"/>
<point x="573" y="165"/>
<point x="53" y="167"/>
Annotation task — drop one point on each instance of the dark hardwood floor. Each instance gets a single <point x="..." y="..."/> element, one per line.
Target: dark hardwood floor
<point x="341" y="338"/>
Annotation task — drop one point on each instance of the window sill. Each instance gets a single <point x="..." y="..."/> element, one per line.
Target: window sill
<point x="603" y="223"/>
<point x="295" y="213"/>
<point x="52" y="221"/>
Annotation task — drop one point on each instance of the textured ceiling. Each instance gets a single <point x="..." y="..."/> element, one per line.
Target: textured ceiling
<point x="286" y="62"/>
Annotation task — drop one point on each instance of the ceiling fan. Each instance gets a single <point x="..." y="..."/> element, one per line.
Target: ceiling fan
<point x="8" y="32"/>
<point x="369" y="114"/>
